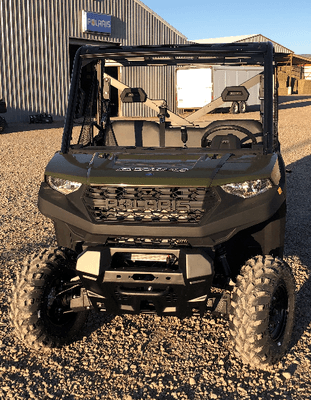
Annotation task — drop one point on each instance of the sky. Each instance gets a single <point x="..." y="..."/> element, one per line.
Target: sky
<point x="286" y="22"/>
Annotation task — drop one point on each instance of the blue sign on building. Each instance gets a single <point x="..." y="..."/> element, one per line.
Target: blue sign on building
<point x="94" y="22"/>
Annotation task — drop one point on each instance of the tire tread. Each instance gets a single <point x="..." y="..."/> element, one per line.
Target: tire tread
<point x="250" y="314"/>
<point x="26" y="298"/>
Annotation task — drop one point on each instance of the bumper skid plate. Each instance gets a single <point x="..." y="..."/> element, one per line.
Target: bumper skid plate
<point x="136" y="280"/>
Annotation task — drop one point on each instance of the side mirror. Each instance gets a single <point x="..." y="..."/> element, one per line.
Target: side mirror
<point x="133" y="95"/>
<point x="235" y="93"/>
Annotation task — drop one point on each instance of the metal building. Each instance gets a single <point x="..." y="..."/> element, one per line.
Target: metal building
<point x="38" y="40"/>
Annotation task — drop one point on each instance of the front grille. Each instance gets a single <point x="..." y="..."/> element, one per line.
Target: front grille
<point x="149" y="204"/>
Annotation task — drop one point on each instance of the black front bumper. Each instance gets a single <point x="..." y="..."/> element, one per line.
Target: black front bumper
<point x="74" y="225"/>
<point x="161" y="281"/>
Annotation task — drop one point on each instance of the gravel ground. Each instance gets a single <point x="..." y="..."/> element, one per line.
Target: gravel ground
<point x="147" y="357"/>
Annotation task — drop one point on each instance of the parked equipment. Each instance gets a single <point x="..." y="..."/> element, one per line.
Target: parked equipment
<point x="174" y="216"/>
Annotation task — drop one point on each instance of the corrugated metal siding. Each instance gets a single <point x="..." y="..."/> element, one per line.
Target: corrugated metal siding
<point x="34" y="67"/>
<point x="34" y="47"/>
<point x="157" y="82"/>
<point x="234" y="76"/>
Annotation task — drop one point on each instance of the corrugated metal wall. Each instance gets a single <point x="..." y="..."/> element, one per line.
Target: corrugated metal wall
<point x="158" y="83"/>
<point x="234" y="76"/>
<point x="34" y="67"/>
<point x="34" y="47"/>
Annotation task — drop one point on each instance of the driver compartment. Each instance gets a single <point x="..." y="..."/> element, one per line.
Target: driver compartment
<point x="141" y="133"/>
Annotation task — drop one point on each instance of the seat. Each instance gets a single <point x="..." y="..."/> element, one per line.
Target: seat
<point x="138" y="133"/>
<point x="141" y="133"/>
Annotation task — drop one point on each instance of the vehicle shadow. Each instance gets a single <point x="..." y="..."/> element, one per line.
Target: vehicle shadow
<point x="298" y="241"/>
<point x="14" y="127"/>
<point x="294" y="101"/>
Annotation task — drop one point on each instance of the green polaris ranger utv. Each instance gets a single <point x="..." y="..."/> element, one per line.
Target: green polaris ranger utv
<point x="176" y="215"/>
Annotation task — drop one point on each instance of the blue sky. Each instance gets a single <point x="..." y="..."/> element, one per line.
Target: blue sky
<point x="286" y="22"/>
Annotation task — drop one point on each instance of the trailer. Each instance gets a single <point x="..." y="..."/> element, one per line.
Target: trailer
<point x="307" y="72"/>
<point x="197" y="87"/>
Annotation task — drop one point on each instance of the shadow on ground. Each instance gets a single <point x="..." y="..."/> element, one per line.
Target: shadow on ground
<point x="14" y="127"/>
<point x="294" y="101"/>
<point x="298" y="236"/>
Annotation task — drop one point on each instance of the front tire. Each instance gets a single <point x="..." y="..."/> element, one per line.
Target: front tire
<point x="39" y="307"/>
<point x="263" y="311"/>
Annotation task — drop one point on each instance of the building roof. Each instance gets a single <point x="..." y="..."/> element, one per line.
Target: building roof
<point x="302" y="60"/>
<point x="227" y="39"/>
<point x="246" y="38"/>
<point x="160" y="18"/>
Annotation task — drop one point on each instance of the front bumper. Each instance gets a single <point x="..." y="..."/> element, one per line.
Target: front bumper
<point x="74" y="225"/>
<point x="135" y="280"/>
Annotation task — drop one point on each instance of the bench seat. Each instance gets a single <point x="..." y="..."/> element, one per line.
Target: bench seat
<point x="140" y="133"/>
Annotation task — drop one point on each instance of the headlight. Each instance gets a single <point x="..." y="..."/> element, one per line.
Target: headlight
<point x="63" y="185"/>
<point x="249" y="188"/>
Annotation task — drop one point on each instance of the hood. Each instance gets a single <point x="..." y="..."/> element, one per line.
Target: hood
<point x="159" y="168"/>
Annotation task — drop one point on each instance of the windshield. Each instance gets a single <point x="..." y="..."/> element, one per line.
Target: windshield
<point x="173" y="102"/>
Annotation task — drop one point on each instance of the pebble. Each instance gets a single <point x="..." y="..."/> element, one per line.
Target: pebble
<point x="286" y="375"/>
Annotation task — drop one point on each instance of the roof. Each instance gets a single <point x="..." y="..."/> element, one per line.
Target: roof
<point x="303" y="59"/>
<point x="160" y="18"/>
<point x="246" y="38"/>
<point x="227" y="39"/>
<point x="293" y="59"/>
<point x="306" y="58"/>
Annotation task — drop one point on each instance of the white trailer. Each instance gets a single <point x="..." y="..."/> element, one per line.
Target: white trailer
<point x="194" y="87"/>
<point x="307" y="72"/>
<point x="197" y="87"/>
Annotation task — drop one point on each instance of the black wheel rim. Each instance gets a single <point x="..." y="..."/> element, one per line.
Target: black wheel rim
<point x="278" y="313"/>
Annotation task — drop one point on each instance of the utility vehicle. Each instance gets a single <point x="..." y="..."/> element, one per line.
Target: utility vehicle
<point x="168" y="214"/>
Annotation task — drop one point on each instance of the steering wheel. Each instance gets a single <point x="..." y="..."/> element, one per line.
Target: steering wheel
<point x="208" y="132"/>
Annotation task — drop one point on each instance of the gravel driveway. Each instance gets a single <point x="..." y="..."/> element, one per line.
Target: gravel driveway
<point x="147" y="357"/>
